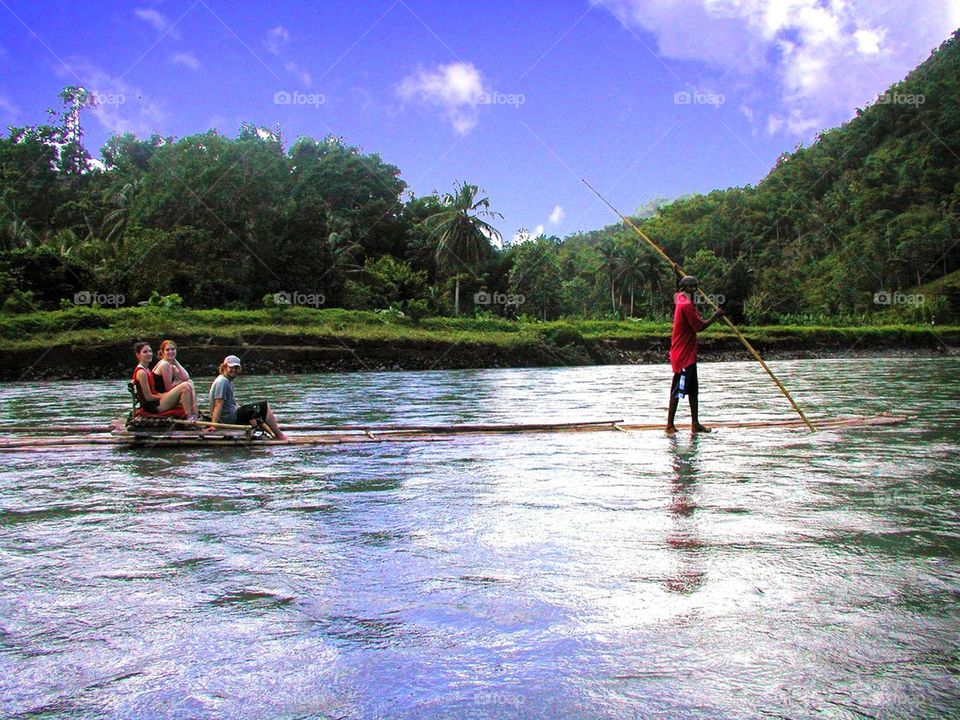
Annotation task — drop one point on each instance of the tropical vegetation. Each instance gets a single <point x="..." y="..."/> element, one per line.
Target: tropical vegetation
<point x="855" y="226"/>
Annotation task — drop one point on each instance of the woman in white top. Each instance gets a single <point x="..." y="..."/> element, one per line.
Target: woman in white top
<point x="152" y="399"/>
<point x="170" y="373"/>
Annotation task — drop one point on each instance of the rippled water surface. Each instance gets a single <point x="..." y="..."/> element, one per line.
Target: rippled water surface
<point x="748" y="573"/>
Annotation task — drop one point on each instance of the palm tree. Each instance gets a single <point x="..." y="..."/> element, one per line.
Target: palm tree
<point x="630" y="266"/>
<point x="652" y="270"/>
<point x="610" y="256"/>
<point x="114" y="225"/>
<point x="463" y="236"/>
<point x="15" y="233"/>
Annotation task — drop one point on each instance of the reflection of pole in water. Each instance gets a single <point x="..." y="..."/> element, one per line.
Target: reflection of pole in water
<point x="690" y="575"/>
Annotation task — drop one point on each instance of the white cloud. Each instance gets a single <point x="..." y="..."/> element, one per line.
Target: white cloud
<point x="795" y="123"/>
<point x="299" y="73"/>
<point x="277" y="39"/>
<point x="188" y="60"/>
<point x="8" y="108"/>
<point x="819" y="59"/>
<point x="157" y="20"/>
<point x="524" y="235"/>
<point x="121" y="107"/>
<point x="456" y="88"/>
<point x="868" y="41"/>
<point x="276" y="43"/>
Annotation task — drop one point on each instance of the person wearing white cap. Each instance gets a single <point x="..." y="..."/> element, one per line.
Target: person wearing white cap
<point x="223" y="406"/>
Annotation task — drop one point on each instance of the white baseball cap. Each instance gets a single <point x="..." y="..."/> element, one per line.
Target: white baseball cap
<point x="231" y="361"/>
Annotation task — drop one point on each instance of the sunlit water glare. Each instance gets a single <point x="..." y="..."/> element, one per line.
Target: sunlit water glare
<point x="747" y="573"/>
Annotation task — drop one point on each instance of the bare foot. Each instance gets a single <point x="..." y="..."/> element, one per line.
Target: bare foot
<point x="671" y="430"/>
<point x="698" y="428"/>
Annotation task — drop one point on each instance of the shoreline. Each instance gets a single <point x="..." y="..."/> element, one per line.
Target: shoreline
<point x="114" y="360"/>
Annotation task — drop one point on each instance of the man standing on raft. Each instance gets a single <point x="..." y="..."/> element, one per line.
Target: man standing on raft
<point x="683" y="352"/>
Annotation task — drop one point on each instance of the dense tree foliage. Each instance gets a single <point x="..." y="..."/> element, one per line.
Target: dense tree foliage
<point x="872" y="207"/>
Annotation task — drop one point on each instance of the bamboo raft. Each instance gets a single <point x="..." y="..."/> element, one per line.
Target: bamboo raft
<point x="117" y="435"/>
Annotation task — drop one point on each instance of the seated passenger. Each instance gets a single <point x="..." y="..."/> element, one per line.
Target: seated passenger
<point x="223" y="407"/>
<point x="170" y="373"/>
<point x="151" y="399"/>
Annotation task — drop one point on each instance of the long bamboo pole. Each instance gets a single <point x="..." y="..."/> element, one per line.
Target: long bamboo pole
<point x="203" y="440"/>
<point x="679" y="270"/>
<point x="490" y="428"/>
<point x="227" y="426"/>
<point x="55" y="428"/>
<point x="207" y="423"/>
<point x="463" y="428"/>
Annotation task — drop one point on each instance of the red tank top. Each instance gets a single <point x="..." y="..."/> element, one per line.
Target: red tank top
<point x="153" y="388"/>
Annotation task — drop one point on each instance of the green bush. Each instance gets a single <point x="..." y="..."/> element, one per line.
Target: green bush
<point x="562" y="336"/>
<point x="19" y="301"/>
<point x="165" y="302"/>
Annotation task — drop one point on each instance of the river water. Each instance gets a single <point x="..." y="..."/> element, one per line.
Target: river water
<point x="746" y="573"/>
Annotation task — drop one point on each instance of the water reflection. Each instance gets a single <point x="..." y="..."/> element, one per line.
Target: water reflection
<point x="683" y="536"/>
<point x="572" y="575"/>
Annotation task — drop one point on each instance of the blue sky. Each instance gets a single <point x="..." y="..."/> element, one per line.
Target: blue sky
<point x="645" y="99"/>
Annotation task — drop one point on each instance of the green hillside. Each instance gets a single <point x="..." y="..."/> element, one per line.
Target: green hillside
<point x="871" y="207"/>
<point x="834" y="231"/>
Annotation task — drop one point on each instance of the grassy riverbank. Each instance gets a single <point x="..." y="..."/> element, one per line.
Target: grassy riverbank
<point x="98" y="341"/>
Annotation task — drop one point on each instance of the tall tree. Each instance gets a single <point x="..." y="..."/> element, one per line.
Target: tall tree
<point x="463" y="235"/>
<point x="631" y="268"/>
<point x="610" y="255"/>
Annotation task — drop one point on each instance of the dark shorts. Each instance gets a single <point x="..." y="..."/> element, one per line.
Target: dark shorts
<point x="253" y="411"/>
<point x="685" y="382"/>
